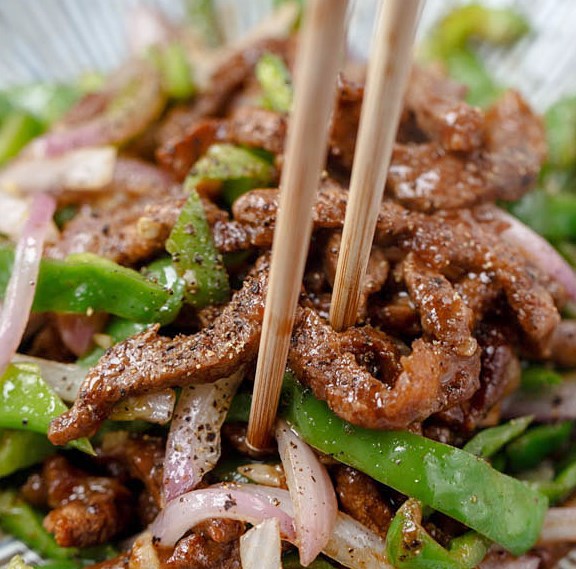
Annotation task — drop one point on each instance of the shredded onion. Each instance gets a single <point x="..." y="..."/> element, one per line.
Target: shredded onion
<point x="193" y="446"/>
<point x="354" y="545"/>
<point x="523" y="562"/>
<point x="559" y="526"/>
<point x="77" y="330"/>
<point x="261" y="547"/>
<point x="82" y="169"/>
<point x="137" y="101"/>
<point x="555" y="403"/>
<point x="312" y="493"/>
<point x="66" y="380"/>
<point x="539" y="251"/>
<point x="139" y="177"/>
<point x="265" y="474"/>
<point x="252" y="505"/>
<point x="22" y="283"/>
<point x="143" y="554"/>
<point x="14" y="213"/>
<point x="151" y="407"/>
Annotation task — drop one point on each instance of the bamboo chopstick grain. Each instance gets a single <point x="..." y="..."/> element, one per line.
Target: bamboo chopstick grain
<point x="319" y="54"/>
<point x="388" y="71"/>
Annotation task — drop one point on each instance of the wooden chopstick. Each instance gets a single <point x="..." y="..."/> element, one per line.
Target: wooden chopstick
<point x="317" y="60"/>
<point x="388" y="72"/>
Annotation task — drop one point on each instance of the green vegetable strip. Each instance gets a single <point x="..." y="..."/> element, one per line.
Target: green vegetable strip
<point x="536" y="378"/>
<point x="560" y="121"/>
<point x="232" y="169"/>
<point x="172" y="62"/>
<point x="204" y="19"/>
<point x="536" y="444"/>
<point x="20" y="449"/>
<point x="562" y="486"/>
<point x="496" y="26"/>
<point x="196" y="258"/>
<point x="409" y="546"/>
<point x="450" y="43"/>
<point x="85" y="282"/>
<point x="445" y="478"/>
<point x="489" y="441"/>
<point x="276" y="83"/>
<point x="551" y="215"/>
<point x="16" y="131"/>
<point x="29" y="404"/>
<point x="20" y="520"/>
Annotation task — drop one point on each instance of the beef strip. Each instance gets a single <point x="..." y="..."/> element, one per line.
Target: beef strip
<point x="374" y="278"/>
<point x="443" y="313"/>
<point x="127" y="236"/>
<point x="86" y="510"/>
<point x="452" y="243"/>
<point x="148" y="362"/>
<point x="433" y="377"/>
<point x="142" y="455"/>
<point x="438" y="105"/>
<point x="362" y="498"/>
<point x="213" y="544"/>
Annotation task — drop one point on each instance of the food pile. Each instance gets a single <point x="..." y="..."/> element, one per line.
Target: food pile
<point x="436" y="432"/>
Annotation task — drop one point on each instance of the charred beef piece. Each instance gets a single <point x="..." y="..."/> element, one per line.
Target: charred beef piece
<point x="433" y="377"/>
<point x="128" y="236"/>
<point x="141" y="455"/>
<point x="361" y="497"/>
<point x="148" y="362"/>
<point x="85" y="510"/>
<point x="441" y="112"/>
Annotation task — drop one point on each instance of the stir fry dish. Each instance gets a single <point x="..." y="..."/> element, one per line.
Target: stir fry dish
<point x="138" y="216"/>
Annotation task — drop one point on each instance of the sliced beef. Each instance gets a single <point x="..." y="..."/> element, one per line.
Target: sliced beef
<point x="362" y="498"/>
<point x="85" y="510"/>
<point x="433" y="377"/>
<point x="148" y="362"/>
<point x="441" y="112"/>
<point x="128" y="236"/>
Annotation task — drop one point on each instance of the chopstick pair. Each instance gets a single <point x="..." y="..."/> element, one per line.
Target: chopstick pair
<point x="319" y="52"/>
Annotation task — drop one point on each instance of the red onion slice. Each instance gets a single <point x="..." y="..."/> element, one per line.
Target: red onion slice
<point x="261" y="546"/>
<point x="559" y="526"/>
<point x="231" y="502"/>
<point x="312" y="493"/>
<point x="555" y="403"/>
<point x="22" y="283"/>
<point x="354" y="545"/>
<point x="193" y="446"/>
<point x="83" y="169"/>
<point x="137" y="100"/>
<point x="538" y="250"/>
<point x="77" y="330"/>
<point x="523" y="562"/>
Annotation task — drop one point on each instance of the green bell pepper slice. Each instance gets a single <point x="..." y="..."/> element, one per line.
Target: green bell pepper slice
<point x="489" y="441"/>
<point x="410" y="546"/>
<point x="560" y="120"/>
<point x="536" y="444"/>
<point x="537" y="378"/>
<point x="29" y="403"/>
<point x="445" y="478"/>
<point x="21" y="449"/>
<point x="21" y="521"/>
<point x="451" y="39"/>
<point x="196" y="258"/>
<point x="232" y="169"/>
<point x="16" y="130"/>
<point x="85" y="282"/>
<point x="276" y="83"/>
<point x="551" y="215"/>
<point x="562" y="486"/>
